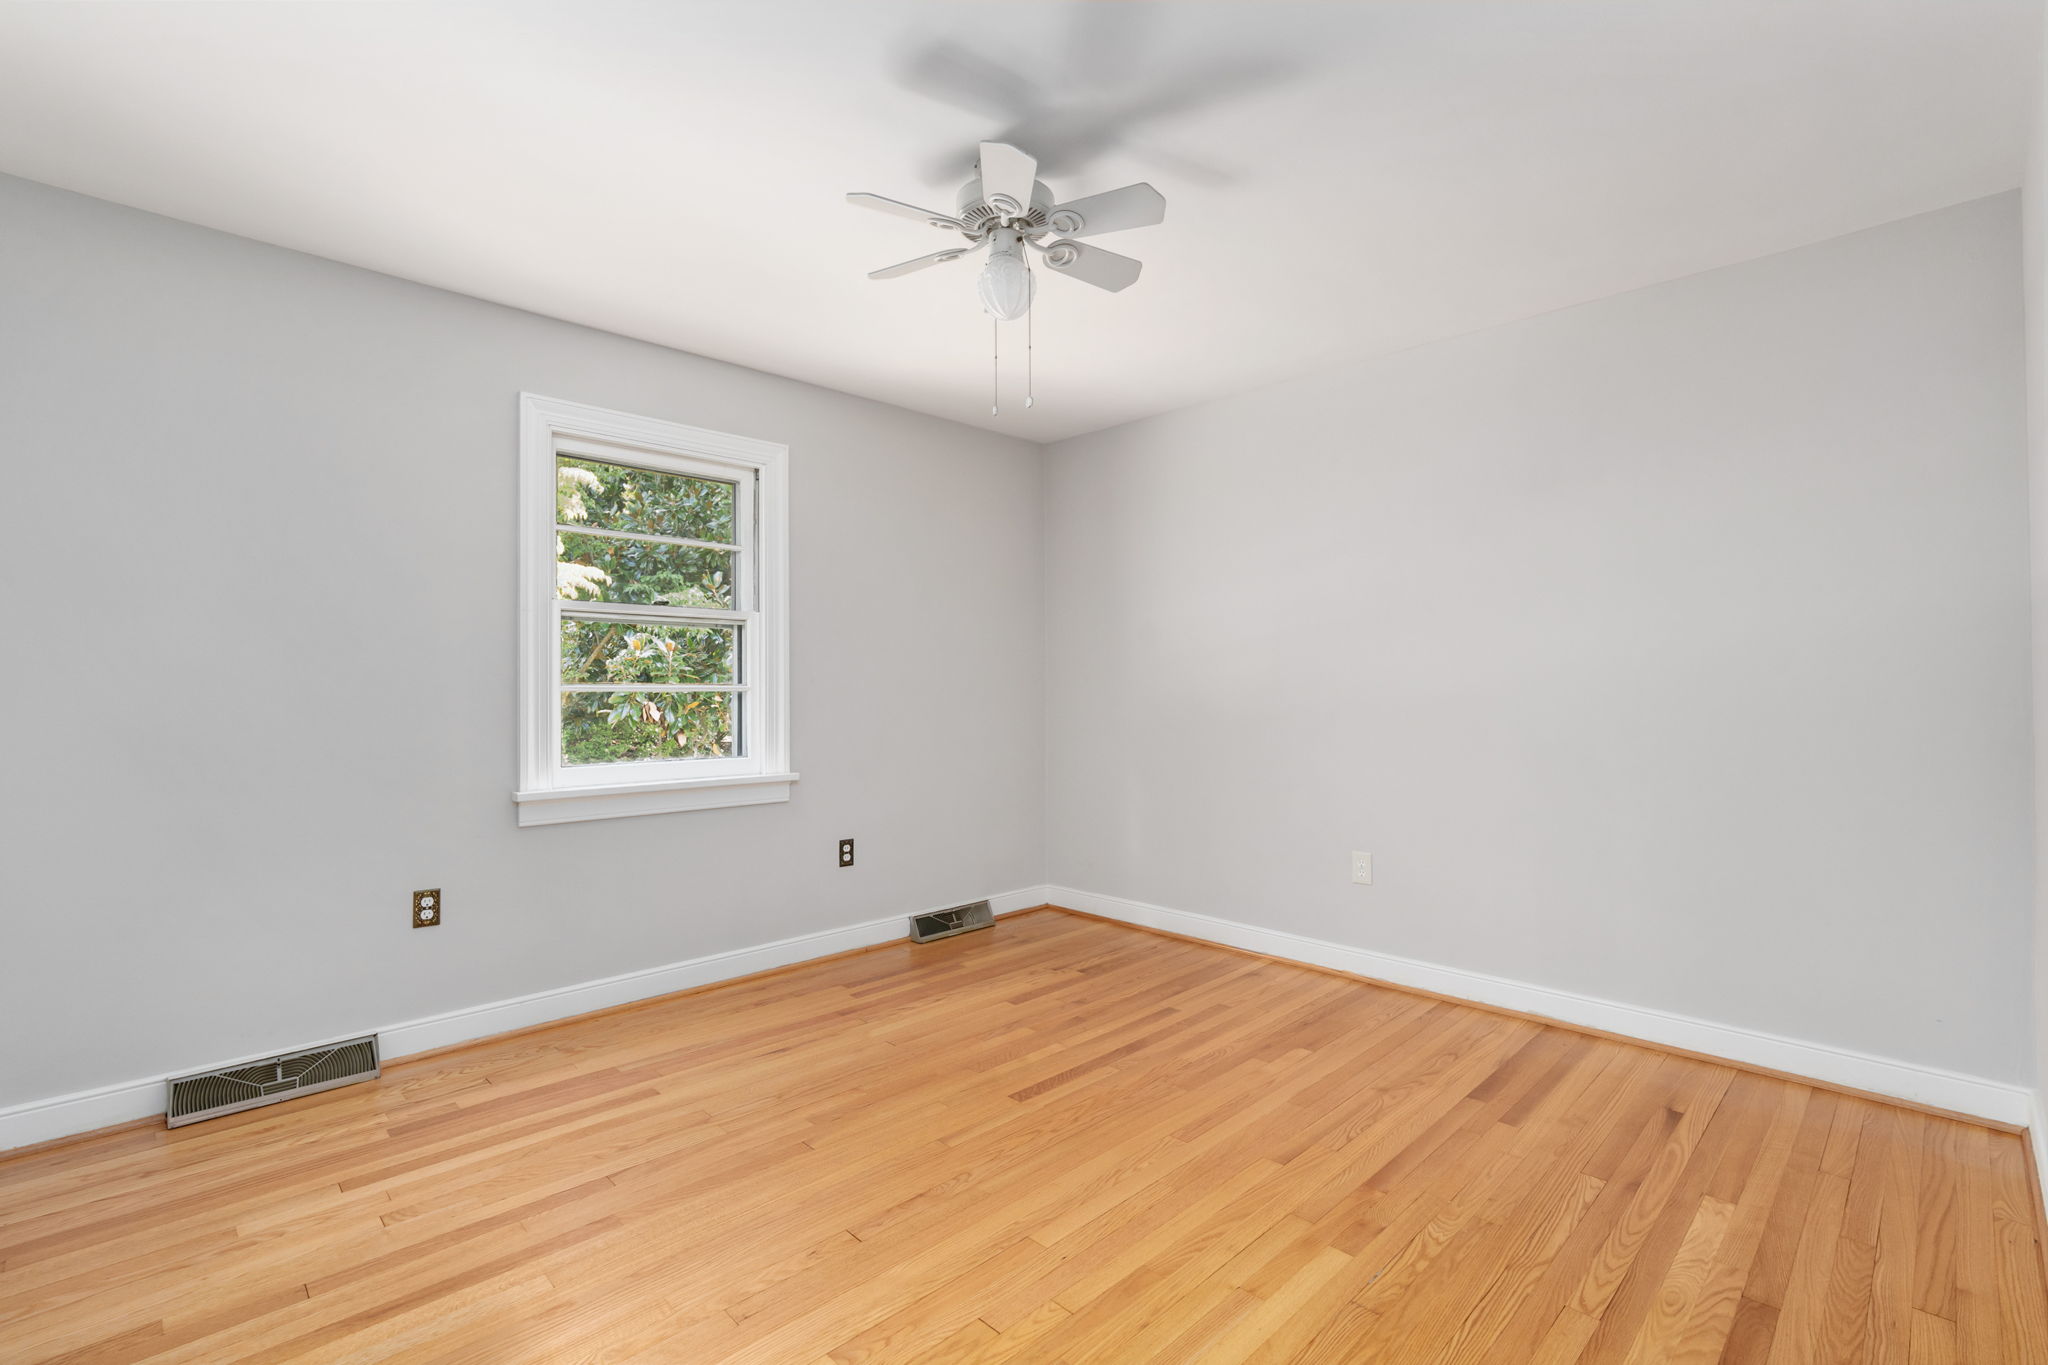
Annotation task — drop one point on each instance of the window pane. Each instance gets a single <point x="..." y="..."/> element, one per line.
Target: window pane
<point x="632" y="727"/>
<point x="603" y="569"/>
<point x="618" y="498"/>
<point x="635" y="652"/>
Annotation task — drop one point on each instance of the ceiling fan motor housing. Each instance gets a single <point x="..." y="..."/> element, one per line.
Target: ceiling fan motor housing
<point x="980" y="218"/>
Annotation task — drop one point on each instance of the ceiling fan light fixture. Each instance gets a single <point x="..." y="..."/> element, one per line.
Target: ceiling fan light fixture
<point x="1005" y="285"/>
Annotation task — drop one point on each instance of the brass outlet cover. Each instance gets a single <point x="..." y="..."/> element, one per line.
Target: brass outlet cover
<point x="426" y="908"/>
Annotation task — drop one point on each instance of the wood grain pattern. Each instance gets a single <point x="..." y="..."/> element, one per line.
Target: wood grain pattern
<point x="1061" y="1141"/>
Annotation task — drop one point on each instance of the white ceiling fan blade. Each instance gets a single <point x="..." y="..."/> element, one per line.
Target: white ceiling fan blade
<point x="890" y="272"/>
<point x="1133" y="206"/>
<point x="903" y="210"/>
<point x="1092" y="265"/>
<point x="1007" y="176"/>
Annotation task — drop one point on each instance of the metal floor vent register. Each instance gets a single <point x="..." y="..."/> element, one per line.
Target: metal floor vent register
<point x="946" y="923"/>
<point x="211" y="1093"/>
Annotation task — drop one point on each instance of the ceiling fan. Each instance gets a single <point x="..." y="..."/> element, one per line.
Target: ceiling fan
<point x="1007" y="209"/>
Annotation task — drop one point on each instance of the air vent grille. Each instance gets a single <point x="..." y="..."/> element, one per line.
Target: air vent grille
<point x="946" y="923"/>
<point x="211" y="1093"/>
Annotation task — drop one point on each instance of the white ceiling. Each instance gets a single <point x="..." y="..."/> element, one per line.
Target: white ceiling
<point x="1343" y="179"/>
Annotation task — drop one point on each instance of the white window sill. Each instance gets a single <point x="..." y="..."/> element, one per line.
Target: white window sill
<point x="563" y="805"/>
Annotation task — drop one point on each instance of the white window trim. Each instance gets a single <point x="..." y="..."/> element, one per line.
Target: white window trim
<point x="548" y="793"/>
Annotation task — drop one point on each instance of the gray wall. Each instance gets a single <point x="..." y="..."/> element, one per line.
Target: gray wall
<point x="259" y="676"/>
<point x="1671" y="649"/>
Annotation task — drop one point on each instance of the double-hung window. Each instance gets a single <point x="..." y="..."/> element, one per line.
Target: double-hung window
<point x="652" y="616"/>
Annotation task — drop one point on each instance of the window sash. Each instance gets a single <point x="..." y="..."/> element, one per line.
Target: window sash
<point x="748" y="759"/>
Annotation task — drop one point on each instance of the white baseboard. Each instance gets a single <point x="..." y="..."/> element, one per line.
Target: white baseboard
<point x="1974" y="1095"/>
<point x="85" y="1110"/>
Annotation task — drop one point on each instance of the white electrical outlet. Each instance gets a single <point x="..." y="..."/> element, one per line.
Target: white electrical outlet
<point x="1361" y="868"/>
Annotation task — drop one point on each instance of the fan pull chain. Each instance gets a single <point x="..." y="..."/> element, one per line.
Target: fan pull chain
<point x="1030" y="286"/>
<point x="995" y="368"/>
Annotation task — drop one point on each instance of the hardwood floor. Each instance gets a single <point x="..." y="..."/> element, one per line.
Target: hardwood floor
<point x="1058" y="1141"/>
